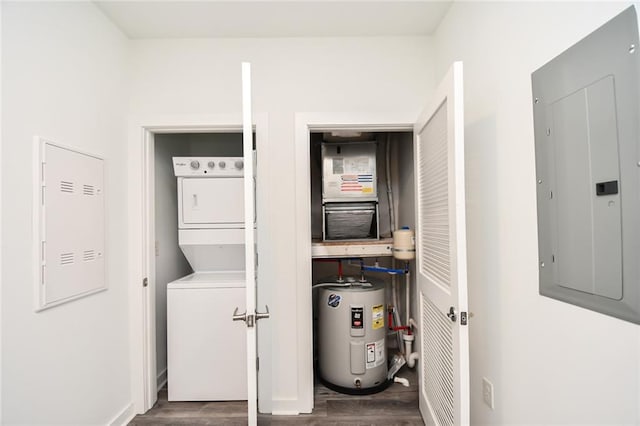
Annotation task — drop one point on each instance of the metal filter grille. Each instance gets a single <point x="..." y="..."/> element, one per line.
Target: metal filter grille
<point x="433" y="193"/>
<point x="437" y="362"/>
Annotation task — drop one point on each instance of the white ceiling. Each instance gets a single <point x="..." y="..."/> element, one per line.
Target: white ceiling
<point x="266" y="18"/>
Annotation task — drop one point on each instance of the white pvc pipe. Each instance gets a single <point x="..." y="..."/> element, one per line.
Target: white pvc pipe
<point x="407" y="289"/>
<point x="404" y="382"/>
<point x="408" y="341"/>
<point x="413" y="324"/>
<point x="413" y="358"/>
<point x="409" y="356"/>
<point x="394" y="301"/>
<point x="392" y="215"/>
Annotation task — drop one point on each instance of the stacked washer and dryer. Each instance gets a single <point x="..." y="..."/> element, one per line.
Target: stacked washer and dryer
<point x="206" y="349"/>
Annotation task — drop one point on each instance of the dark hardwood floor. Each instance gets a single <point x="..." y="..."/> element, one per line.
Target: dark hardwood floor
<point x="398" y="405"/>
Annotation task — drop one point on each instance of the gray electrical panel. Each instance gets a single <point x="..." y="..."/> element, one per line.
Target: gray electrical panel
<point x="587" y="121"/>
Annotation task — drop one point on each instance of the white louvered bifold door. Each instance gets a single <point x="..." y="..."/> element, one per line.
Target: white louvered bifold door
<point x="441" y="256"/>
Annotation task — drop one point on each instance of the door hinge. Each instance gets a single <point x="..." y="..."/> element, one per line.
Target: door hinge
<point x="145" y="282"/>
<point x="463" y="318"/>
<point x="257" y="363"/>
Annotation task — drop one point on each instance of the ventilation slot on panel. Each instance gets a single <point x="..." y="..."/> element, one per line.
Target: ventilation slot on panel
<point x="88" y="189"/>
<point x="437" y="362"/>
<point x="66" y="258"/>
<point x="66" y="186"/>
<point x="89" y="255"/>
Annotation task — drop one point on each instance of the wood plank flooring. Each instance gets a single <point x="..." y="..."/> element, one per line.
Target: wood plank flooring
<point x="398" y="405"/>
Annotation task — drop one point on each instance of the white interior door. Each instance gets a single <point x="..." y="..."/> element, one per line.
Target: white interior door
<point x="441" y="256"/>
<point x="251" y="316"/>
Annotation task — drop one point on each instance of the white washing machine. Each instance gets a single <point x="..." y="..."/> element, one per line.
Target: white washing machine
<point x="206" y="349"/>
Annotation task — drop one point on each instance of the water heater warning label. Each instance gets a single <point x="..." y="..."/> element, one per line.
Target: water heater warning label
<point x="371" y="352"/>
<point x="375" y="354"/>
<point x="377" y="318"/>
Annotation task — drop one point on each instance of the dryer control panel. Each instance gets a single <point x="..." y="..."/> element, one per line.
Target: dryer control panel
<point x="208" y="166"/>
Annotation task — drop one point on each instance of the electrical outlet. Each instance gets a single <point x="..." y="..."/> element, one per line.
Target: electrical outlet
<point x="487" y="392"/>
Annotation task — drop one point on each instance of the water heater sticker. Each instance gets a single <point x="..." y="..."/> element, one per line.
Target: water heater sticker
<point x="377" y="319"/>
<point x="334" y="300"/>
<point x="375" y="354"/>
<point x="371" y="353"/>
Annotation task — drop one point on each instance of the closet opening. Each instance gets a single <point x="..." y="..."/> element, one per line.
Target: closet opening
<point x="198" y="267"/>
<point x="361" y="196"/>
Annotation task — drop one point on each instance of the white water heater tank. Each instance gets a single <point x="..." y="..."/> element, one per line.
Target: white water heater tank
<point x="351" y="337"/>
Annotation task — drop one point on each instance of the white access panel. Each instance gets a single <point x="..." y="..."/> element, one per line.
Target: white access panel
<point x="211" y="202"/>
<point x="206" y="350"/>
<point x="71" y="224"/>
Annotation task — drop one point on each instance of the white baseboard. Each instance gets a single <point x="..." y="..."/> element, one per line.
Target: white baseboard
<point x="124" y="417"/>
<point x="285" y="407"/>
<point x="161" y="379"/>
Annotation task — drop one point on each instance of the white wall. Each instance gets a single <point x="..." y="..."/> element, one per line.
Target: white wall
<point x="170" y="262"/>
<point x="550" y="362"/>
<point x="202" y="77"/>
<point x="63" y="77"/>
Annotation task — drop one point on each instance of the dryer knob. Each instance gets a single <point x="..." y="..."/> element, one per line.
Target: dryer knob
<point x="222" y="164"/>
<point x="211" y="164"/>
<point x="195" y="164"/>
<point x="239" y="164"/>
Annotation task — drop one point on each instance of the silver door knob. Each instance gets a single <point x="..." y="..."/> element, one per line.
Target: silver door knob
<point x="263" y="315"/>
<point x="239" y="317"/>
<point x="248" y="319"/>
<point x="452" y="314"/>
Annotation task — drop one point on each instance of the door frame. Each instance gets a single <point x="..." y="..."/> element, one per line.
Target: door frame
<point x="305" y="123"/>
<point x="141" y="227"/>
